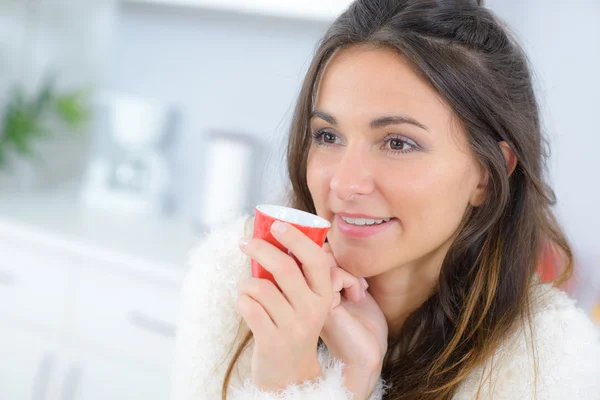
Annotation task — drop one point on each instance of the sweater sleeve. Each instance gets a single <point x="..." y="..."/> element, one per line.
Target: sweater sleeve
<point x="329" y="386"/>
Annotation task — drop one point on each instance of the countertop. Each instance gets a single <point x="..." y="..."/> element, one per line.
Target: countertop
<point x="61" y="221"/>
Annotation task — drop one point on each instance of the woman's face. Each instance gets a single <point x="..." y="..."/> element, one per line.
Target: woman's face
<point x="386" y="146"/>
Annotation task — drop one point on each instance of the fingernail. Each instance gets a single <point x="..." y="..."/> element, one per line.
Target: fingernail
<point x="278" y="226"/>
<point x="244" y="241"/>
<point x="364" y="283"/>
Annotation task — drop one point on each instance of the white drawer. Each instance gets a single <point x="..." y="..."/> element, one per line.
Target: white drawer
<point x="34" y="283"/>
<point x="126" y="314"/>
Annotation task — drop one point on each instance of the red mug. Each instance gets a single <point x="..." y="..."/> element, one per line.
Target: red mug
<point x="311" y="225"/>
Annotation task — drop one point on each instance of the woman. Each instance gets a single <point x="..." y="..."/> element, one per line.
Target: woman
<point x="417" y="135"/>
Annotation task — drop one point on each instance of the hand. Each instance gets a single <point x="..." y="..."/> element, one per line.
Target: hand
<point x="356" y="332"/>
<point x="286" y="324"/>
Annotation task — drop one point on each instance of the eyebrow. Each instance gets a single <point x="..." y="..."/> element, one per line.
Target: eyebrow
<point x="379" y="122"/>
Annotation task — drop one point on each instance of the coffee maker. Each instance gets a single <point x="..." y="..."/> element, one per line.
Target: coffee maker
<point x="130" y="173"/>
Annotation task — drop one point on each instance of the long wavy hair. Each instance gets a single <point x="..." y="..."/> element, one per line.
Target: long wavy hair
<point x="470" y="59"/>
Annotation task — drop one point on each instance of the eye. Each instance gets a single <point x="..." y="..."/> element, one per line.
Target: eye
<point x="397" y="144"/>
<point x="323" y="137"/>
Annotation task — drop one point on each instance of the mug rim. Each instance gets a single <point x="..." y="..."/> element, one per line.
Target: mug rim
<point x="293" y="216"/>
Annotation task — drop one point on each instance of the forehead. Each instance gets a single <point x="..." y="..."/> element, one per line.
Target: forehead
<point x="375" y="80"/>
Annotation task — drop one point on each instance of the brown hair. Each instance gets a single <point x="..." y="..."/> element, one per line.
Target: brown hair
<point x="483" y="289"/>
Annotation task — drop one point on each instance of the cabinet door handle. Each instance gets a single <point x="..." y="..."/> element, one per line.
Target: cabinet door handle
<point x="42" y="378"/>
<point x="72" y="382"/>
<point x="7" y="278"/>
<point x="142" y="321"/>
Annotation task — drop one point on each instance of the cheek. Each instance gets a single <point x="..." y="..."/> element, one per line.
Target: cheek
<point x="430" y="198"/>
<point x="318" y="176"/>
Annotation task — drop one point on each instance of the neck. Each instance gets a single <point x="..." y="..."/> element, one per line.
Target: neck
<point x="403" y="289"/>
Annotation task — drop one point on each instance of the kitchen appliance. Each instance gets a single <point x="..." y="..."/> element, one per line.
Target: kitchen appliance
<point x="131" y="172"/>
<point x="229" y="177"/>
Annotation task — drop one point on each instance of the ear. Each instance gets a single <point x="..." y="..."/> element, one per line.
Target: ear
<point x="480" y="191"/>
<point x="509" y="157"/>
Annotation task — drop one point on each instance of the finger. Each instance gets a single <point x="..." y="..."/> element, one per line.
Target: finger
<point x="255" y="316"/>
<point x="284" y="269"/>
<point x="352" y="286"/>
<point x="315" y="262"/>
<point x="269" y="297"/>
<point x="337" y="299"/>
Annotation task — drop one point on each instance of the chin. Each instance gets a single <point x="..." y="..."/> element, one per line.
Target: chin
<point x="357" y="263"/>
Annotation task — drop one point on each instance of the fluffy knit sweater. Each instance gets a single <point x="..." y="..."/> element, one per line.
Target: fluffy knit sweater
<point x="566" y="343"/>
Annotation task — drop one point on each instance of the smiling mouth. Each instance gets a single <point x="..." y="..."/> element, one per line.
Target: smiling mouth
<point x="365" y="221"/>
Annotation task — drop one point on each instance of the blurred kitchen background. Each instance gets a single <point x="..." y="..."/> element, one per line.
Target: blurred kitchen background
<point x="130" y="127"/>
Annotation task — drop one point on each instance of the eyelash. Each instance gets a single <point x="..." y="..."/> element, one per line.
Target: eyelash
<point x="318" y="135"/>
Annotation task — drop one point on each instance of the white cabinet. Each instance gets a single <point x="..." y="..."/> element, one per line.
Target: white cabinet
<point x="33" y="283"/>
<point x="27" y="362"/>
<point x="86" y="374"/>
<point x="88" y="305"/>
<point x="33" y="368"/>
<point x="114" y="379"/>
<point x="128" y="314"/>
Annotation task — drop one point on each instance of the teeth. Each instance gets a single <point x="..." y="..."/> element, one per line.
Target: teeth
<point x="364" y="221"/>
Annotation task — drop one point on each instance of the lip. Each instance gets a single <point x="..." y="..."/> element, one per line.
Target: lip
<point x="360" y="231"/>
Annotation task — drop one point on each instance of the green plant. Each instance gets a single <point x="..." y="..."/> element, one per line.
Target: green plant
<point x="27" y="120"/>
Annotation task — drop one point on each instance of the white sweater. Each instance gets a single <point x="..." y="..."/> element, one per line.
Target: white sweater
<point x="567" y="344"/>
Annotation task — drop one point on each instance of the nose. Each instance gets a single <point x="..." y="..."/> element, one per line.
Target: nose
<point x="353" y="175"/>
